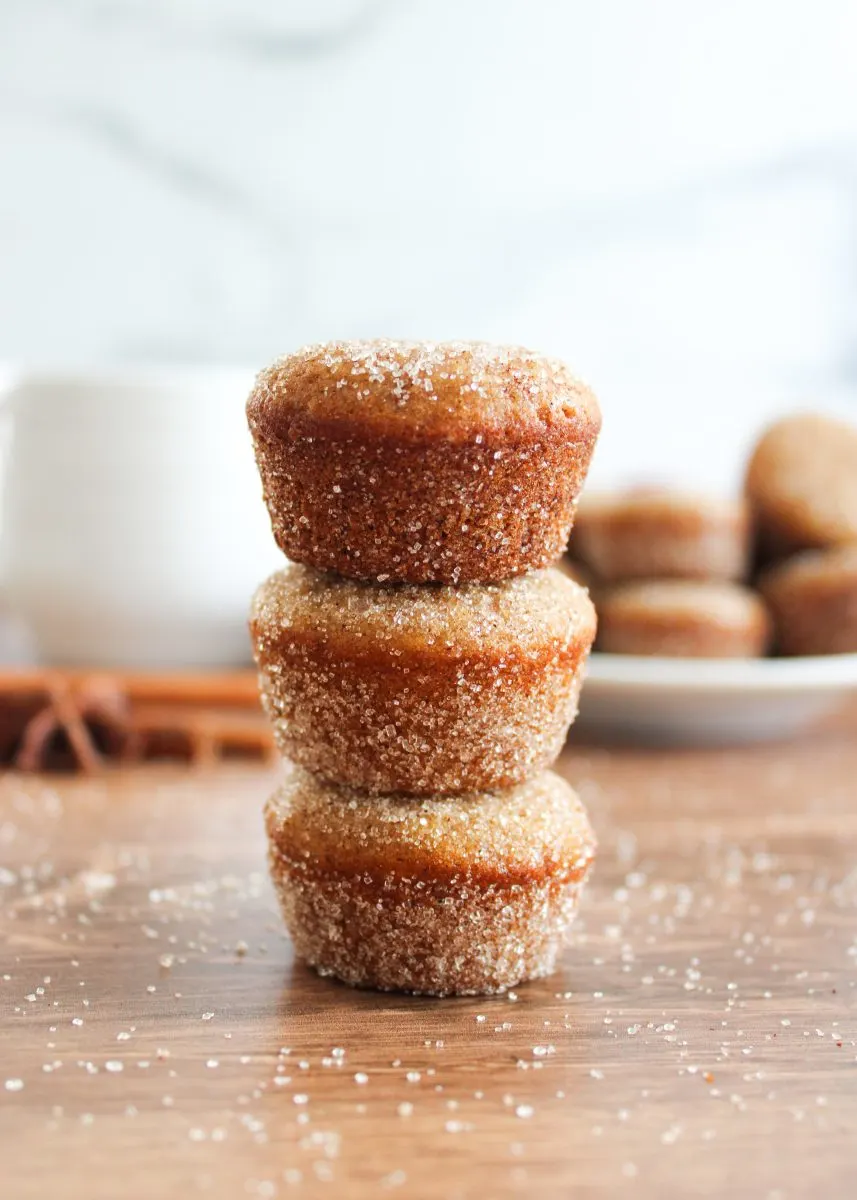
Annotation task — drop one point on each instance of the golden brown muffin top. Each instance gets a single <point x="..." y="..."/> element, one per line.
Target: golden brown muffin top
<point x="727" y="604"/>
<point x="537" y="829"/>
<point x="456" y="390"/>
<point x="802" y="477"/>
<point x="520" y="615"/>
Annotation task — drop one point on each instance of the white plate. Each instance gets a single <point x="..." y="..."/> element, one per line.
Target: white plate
<point x="683" y="701"/>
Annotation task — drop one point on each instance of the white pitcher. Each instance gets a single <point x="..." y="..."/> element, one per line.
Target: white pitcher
<point x="132" y="529"/>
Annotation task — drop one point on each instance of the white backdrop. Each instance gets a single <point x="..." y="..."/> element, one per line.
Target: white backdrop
<point x="663" y="192"/>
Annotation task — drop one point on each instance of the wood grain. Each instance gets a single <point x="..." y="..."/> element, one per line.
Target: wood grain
<point x="698" y="1040"/>
<point x="217" y="688"/>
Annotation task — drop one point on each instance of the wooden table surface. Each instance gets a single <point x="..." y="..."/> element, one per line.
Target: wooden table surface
<point x="158" y="1040"/>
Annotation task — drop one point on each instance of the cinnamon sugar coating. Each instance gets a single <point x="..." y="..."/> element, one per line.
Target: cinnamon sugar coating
<point x="422" y="462"/>
<point x="421" y="689"/>
<point x="655" y="533"/>
<point x="813" y="601"/>
<point x="463" y="895"/>
<point x="802" y="484"/>
<point x="683" y="619"/>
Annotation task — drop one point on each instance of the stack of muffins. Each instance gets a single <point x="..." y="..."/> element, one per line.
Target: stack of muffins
<point x="667" y="570"/>
<point x="802" y="487"/>
<point x="420" y="659"/>
<point x="681" y="574"/>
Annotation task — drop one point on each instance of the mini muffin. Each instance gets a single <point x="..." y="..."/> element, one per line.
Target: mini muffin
<point x="813" y="601"/>
<point x="463" y="895"/>
<point x="802" y="484"/>
<point x="653" y="533"/>
<point x="421" y="689"/>
<point x="683" y="619"/>
<point x="422" y="462"/>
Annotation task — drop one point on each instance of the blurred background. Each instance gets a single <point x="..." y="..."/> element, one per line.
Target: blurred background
<point x="664" y="194"/>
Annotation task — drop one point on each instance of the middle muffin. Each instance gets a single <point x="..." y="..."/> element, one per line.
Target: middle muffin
<point x="421" y="689"/>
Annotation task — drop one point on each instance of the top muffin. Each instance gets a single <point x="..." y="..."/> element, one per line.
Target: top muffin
<point x="454" y="390"/>
<point x="422" y="461"/>
<point x="802" y="484"/>
<point x="662" y="533"/>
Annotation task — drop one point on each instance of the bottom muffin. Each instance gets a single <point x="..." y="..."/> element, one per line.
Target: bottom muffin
<point x="813" y="599"/>
<point x="446" y="895"/>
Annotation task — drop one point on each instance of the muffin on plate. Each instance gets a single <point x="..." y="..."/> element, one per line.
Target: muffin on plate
<point x="660" y="533"/>
<point x="680" y="618"/>
<point x="813" y="601"/>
